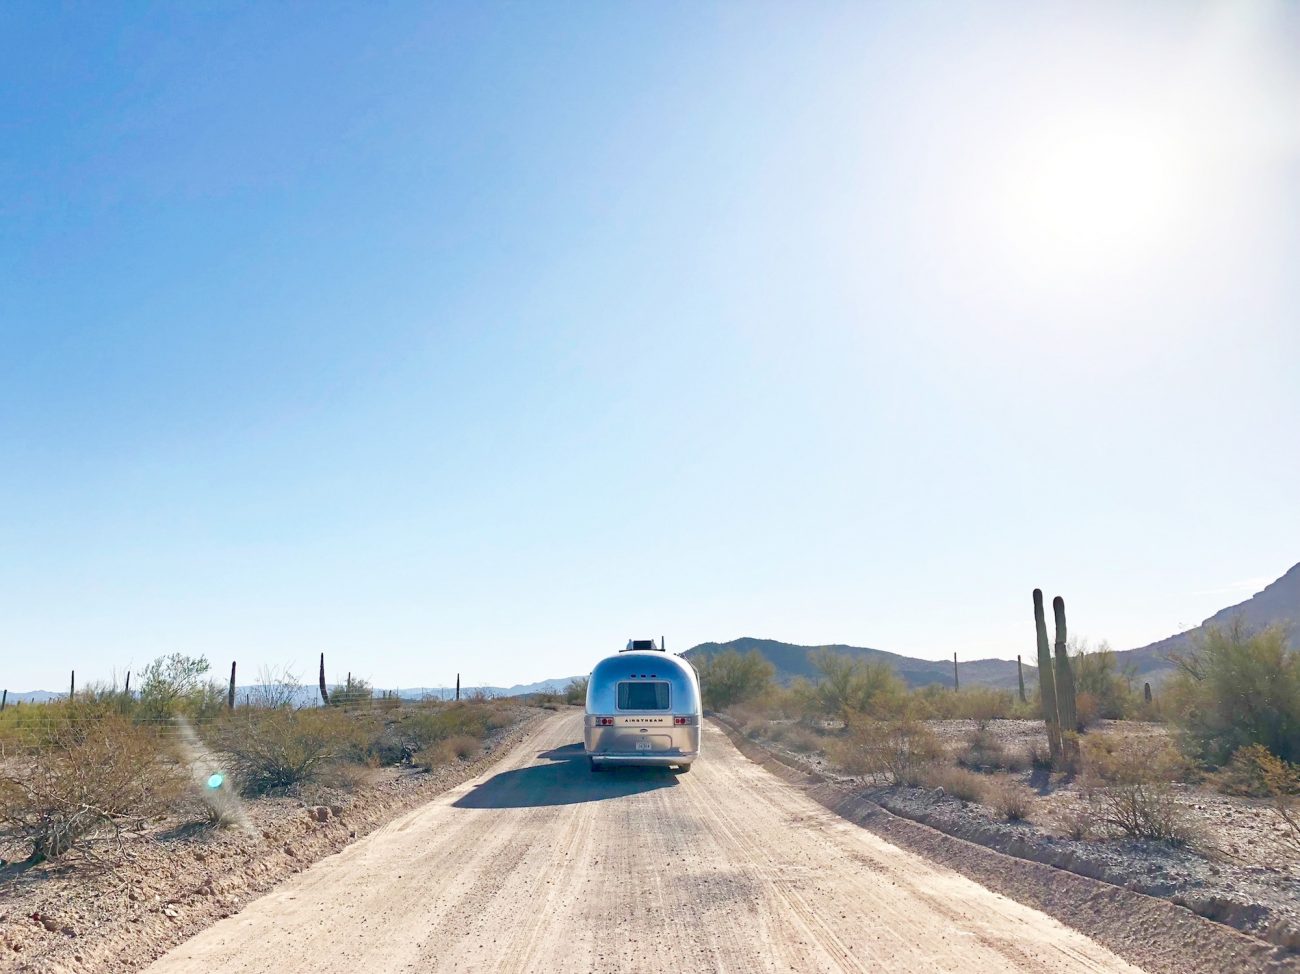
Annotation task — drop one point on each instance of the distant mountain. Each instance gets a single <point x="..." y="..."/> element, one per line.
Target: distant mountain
<point x="306" y="696"/>
<point x="1277" y="603"/>
<point x="793" y="661"/>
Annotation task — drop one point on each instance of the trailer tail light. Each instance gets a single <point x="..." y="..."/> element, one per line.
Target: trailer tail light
<point x="683" y="721"/>
<point x="605" y="721"/>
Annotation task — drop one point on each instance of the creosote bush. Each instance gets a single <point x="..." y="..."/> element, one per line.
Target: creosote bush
<point x="900" y="750"/>
<point x="91" y="781"/>
<point x="275" y="750"/>
<point x="1129" y="786"/>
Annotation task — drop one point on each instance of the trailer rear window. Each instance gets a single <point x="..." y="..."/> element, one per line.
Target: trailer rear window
<point x="643" y="696"/>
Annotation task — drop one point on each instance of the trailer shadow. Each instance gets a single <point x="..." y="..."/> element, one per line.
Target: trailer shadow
<point x="563" y="779"/>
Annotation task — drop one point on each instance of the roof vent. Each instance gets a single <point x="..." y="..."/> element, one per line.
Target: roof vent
<point x="641" y="644"/>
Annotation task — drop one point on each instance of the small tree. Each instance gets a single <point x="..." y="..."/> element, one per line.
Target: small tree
<point x="729" y="678"/>
<point x="850" y="687"/>
<point x="1237" y="688"/>
<point x="576" y="692"/>
<point x="1098" y="674"/>
<point x="177" y="684"/>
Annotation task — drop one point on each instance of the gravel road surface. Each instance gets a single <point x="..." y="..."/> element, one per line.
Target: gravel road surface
<point x="540" y="865"/>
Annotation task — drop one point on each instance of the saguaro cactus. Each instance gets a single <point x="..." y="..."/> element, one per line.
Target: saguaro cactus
<point x="1046" y="683"/>
<point x="1020" y="678"/>
<point x="324" y="694"/>
<point x="230" y="694"/>
<point x="956" y="680"/>
<point x="1146" y="693"/>
<point x="1065" y="703"/>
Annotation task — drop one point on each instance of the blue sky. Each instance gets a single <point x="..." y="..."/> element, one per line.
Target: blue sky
<point x="481" y="338"/>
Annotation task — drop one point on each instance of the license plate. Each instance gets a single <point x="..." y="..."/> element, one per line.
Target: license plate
<point x="643" y="745"/>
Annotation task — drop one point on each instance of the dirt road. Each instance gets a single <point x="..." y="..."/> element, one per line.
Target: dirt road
<point x="541" y="866"/>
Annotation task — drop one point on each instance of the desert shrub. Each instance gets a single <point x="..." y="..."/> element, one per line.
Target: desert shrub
<point x="1237" y="688"/>
<point x="355" y="692"/>
<point x="576" y="692"/>
<point x="275" y="750"/>
<point x="88" y="781"/>
<point x="982" y="750"/>
<point x="1107" y="687"/>
<point x="1009" y="799"/>
<point x="898" y="749"/>
<point x="1040" y="757"/>
<point x="1266" y="776"/>
<point x="466" y="719"/>
<point x="981" y="704"/>
<point x="958" y="782"/>
<point x="1129" y="785"/>
<point x="276" y="687"/>
<point x="462" y="747"/>
<point x="729" y="677"/>
<point x="179" y="684"/>
<point x="794" y="736"/>
<point x="1086" y="710"/>
<point x="857" y="689"/>
<point x="1077" y="820"/>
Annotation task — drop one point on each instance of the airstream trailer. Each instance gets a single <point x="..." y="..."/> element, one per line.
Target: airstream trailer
<point x="643" y="708"/>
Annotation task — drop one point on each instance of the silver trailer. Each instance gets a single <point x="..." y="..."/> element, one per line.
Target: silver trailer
<point x="643" y="707"/>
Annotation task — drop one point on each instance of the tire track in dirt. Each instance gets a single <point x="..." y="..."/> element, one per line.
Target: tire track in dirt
<point x="540" y="865"/>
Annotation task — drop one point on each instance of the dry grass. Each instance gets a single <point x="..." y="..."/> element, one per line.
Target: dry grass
<point x="1009" y="799"/>
<point x="958" y="782"/>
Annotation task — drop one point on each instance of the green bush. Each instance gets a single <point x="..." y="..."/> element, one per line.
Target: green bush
<point x="356" y="692"/>
<point x="1108" y="688"/>
<point x="1234" y="689"/>
<point x="465" y="719"/>
<point x="729" y="678"/>
<point x="178" y="684"/>
<point x="576" y="692"/>
<point x="855" y="689"/>
<point x="274" y="750"/>
<point x="901" y="750"/>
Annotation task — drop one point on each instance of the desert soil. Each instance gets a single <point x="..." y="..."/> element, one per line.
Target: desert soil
<point x="541" y="865"/>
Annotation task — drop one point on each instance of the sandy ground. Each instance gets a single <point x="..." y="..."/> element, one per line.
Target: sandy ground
<point x="540" y="865"/>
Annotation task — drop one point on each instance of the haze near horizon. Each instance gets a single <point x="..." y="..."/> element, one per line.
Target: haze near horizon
<point x="481" y="339"/>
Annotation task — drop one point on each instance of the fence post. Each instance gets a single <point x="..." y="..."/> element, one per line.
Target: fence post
<point x="4" y="699"/>
<point x="230" y="695"/>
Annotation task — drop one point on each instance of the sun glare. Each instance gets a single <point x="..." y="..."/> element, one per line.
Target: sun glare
<point x="1094" y="193"/>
